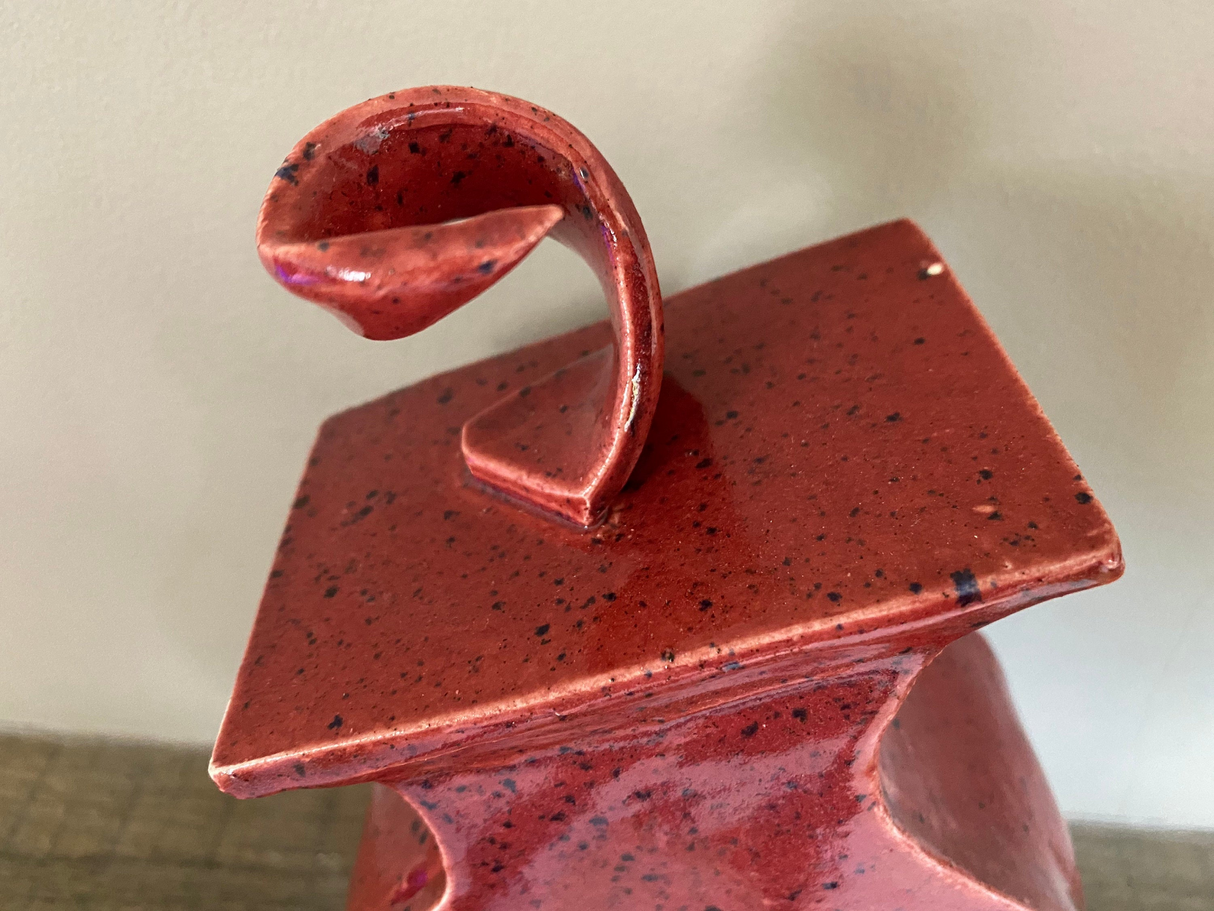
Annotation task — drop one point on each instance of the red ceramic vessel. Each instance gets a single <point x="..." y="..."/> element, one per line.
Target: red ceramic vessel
<point x="753" y="681"/>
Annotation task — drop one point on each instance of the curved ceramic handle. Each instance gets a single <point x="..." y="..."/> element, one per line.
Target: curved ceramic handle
<point x="403" y="208"/>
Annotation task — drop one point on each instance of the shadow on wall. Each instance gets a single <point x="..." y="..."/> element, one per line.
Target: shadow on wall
<point x="876" y="102"/>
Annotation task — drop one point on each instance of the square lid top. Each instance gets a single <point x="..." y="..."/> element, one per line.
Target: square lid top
<point x="842" y="454"/>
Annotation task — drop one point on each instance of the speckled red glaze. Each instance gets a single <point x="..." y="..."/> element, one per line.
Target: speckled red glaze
<point x="403" y="208"/>
<point x="844" y="475"/>
<point x="788" y="800"/>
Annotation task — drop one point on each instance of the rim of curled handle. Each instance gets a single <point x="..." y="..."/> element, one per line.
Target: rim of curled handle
<point x="403" y="208"/>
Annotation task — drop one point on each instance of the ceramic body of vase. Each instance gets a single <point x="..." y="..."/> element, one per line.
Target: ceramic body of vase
<point x="614" y="623"/>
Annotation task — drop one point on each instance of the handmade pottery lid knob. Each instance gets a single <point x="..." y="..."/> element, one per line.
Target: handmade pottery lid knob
<point x="401" y="209"/>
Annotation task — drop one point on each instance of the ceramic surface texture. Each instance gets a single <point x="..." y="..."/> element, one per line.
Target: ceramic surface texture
<point x="843" y="475"/>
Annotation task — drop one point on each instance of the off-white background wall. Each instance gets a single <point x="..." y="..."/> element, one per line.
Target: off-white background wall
<point x="158" y="392"/>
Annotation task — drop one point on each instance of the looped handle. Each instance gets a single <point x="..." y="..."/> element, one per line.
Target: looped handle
<point x="403" y="208"/>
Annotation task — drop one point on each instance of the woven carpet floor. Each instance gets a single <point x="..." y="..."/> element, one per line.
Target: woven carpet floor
<point x="114" y="826"/>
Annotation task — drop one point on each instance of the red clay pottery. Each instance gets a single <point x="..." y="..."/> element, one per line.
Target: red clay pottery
<point x="613" y="627"/>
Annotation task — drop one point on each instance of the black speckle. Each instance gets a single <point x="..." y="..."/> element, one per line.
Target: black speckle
<point x="415" y="149"/>
<point x="373" y="175"/>
<point x="967" y="587"/>
<point x="830" y="885"/>
<point x="509" y="785"/>
<point x="288" y="173"/>
<point x="986" y="474"/>
<point x="896" y="416"/>
<point x="322" y="246"/>
<point x="834" y="596"/>
<point x="457" y="177"/>
<point x="543" y="630"/>
<point x="705" y="603"/>
<point x="330" y="591"/>
<point x="751" y="729"/>
<point x="486" y="267"/>
<point x="800" y="714"/>
<point x="309" y="151"/>
<point x="730" y="415"/>
<point x="915" y="588"/>
<point x="1083" y="497"/>
<point x="448" y="393"/>
<point x="668" y="655"/>
<point x="335" y="723"/>
<point x="299" y="769"/>
<point x="920" y="341"/>
<point x="301" y="502"/>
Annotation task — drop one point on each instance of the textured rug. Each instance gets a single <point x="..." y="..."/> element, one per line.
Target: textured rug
<point x="114" y="826"/>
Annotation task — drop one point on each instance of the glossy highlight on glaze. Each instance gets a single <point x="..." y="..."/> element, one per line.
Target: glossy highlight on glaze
<point x="403" y="208"/>
<point x="844" y="475"/>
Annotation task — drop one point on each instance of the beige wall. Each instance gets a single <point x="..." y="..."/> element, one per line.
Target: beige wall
<point x="158" y="392"/>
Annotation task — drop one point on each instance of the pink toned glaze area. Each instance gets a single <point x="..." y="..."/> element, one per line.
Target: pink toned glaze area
<point x="403" y="208"/>
<point x="753" y="685"/>
<point x="959" y="778"/>
<point x="777" y="801"/>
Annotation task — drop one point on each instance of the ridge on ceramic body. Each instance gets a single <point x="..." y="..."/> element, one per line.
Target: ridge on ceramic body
<point x="403" y="208"/>
<point x="739" y="691"/>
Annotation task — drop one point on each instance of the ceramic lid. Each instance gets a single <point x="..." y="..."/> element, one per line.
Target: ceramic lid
<point x="842" y="457"/>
